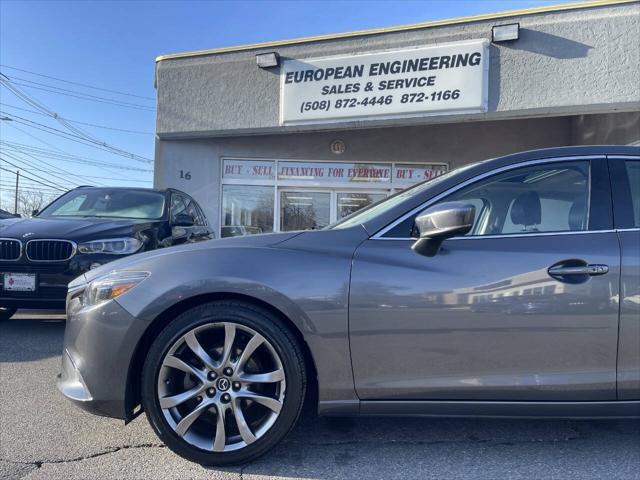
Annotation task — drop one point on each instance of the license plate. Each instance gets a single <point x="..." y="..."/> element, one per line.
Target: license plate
<point x="19" y="282"/>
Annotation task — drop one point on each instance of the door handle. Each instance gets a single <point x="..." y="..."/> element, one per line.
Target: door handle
<point x="591" y="269"/>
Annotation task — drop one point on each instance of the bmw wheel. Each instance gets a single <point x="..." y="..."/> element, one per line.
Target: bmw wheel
<point x="223" y="383"/>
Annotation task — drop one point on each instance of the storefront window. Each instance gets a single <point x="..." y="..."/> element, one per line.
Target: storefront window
<point x="263" y="195"/>
<point x="349" y="203"/>
<point x="246" y="210"/>
<point x="304" y="210"/>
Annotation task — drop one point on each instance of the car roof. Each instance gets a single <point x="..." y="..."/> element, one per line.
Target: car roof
<point x="386" y="217"/>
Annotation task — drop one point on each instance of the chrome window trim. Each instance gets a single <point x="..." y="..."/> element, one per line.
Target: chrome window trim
<point x="21" y="248"/>
<point x="74" y="249"/>
<point x="511" y="235"/>
<point x="379" y="234"/>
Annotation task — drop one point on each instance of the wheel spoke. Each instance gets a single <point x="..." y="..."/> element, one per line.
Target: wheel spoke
<point x="251" y="347"/>
<point x="175" y="400"/>
<point x="194" y="345"/>
<point x="174" y="362"/>
<point x="229" y="337"/>
<point x="245" y="432"/>
<point x="270" y="377"/>
<point x="187" y="420"/>
<point x="221" y="434"/>
<point x="271" y="403"/>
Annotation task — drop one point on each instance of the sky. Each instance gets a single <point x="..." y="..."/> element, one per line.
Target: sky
<point x="107" y="49"/>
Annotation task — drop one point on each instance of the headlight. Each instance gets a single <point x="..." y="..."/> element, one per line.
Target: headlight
<point x="111" y="246"/>
<point x="111" y="286"/>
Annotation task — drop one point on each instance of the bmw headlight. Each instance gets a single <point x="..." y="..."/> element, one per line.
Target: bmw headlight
<point x="110" y="286"/>
<point x="111" y="246"/>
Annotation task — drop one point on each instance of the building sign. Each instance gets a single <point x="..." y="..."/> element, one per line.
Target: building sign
<point x="411" y="173"/>
<point x="448" y="78"/>
<point x="329" y="172"/>
<point x="249" y="169"/>
<point x="334" y="172"/>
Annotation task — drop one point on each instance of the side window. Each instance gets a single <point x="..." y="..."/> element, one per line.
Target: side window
<point x="633" y="173"/>
<point x="552" y="197"/>
<point x="178" y="205"/>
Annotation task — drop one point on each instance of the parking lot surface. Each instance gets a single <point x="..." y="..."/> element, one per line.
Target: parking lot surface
<point x="43" y="436"/>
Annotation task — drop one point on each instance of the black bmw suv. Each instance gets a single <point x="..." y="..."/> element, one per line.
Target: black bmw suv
<point x="83" y="229"/>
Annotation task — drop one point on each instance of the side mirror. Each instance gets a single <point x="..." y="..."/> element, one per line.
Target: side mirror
<point x="440" y="222"/>
<point x="183" y="220"/>
<point x="35" y="212"/>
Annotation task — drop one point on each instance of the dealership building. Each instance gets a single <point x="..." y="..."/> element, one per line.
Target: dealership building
<point x="296" y="134"/>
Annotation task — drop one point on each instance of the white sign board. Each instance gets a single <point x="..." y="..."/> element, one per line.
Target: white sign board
<point x="448" y="78"/>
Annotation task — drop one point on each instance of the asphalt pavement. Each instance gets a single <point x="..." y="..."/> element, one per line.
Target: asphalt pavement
<point x="43" y="436"/>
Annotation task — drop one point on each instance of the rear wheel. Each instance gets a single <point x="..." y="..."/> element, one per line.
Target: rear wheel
<point x="6" y="313"/>
<point x="223" y="383"/>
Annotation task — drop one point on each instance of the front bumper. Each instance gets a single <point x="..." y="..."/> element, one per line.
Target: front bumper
<point x="52" y="279"/>
<point x="99" y="343"/>
<point x="70" y="381"/>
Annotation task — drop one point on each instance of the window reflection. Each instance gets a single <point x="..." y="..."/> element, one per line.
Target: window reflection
<point x="304" y="210"/>
<point x="246" y="210"/>
<point x="349" y="203"/>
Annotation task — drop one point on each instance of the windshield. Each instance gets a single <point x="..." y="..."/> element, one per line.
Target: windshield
<point x="366" y="214"/>
<point x="107" y="203"/>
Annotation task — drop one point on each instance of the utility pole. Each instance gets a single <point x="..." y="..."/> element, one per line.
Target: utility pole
<point x="15" y="204"/>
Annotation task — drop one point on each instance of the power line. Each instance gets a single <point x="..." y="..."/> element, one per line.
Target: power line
<point x="81" y="123"/>
<point x="55" y="174"/>
<point x="29" y="187"/>
<point x="77" y="83"/>
<point x="86" y="96"/>
<point x="51" y="183"/>
<point x="77" y="138"/>
<point x="60" y="170"/>
<point x="34" y="180"/>
<point x="67" y="157"/>
<point x="79" y="132"/>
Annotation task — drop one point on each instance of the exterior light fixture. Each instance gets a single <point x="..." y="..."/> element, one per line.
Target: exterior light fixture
<point x="505" y="33"/>
<point x="268" y="60"/>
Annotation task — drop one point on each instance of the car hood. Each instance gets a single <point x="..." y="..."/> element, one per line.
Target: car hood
<point x="76" y="229"/>
<point x="260" y="240"/>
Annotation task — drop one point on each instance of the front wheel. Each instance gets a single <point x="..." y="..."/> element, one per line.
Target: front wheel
<point x="6" y="313"/>
<point x="223" y="383"/>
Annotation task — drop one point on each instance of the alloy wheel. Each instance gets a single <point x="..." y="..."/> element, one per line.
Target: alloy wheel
<point x="221" y="386"/>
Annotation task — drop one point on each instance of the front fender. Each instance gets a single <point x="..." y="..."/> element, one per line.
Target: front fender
<point x="309" y="287"/>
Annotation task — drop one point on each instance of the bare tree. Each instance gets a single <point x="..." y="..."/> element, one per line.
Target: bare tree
<point x="30" y="200"/>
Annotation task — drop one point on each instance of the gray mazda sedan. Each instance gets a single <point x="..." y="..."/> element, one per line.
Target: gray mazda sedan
<point x="510" y="287"/>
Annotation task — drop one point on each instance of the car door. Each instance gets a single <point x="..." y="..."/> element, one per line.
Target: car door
<point x="485" y="319"/>
<point x="626" y="178"/>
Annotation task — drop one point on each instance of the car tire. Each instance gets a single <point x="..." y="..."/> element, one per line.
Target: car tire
<point x="6" y="313"/>
<point x="279" y="354"/>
